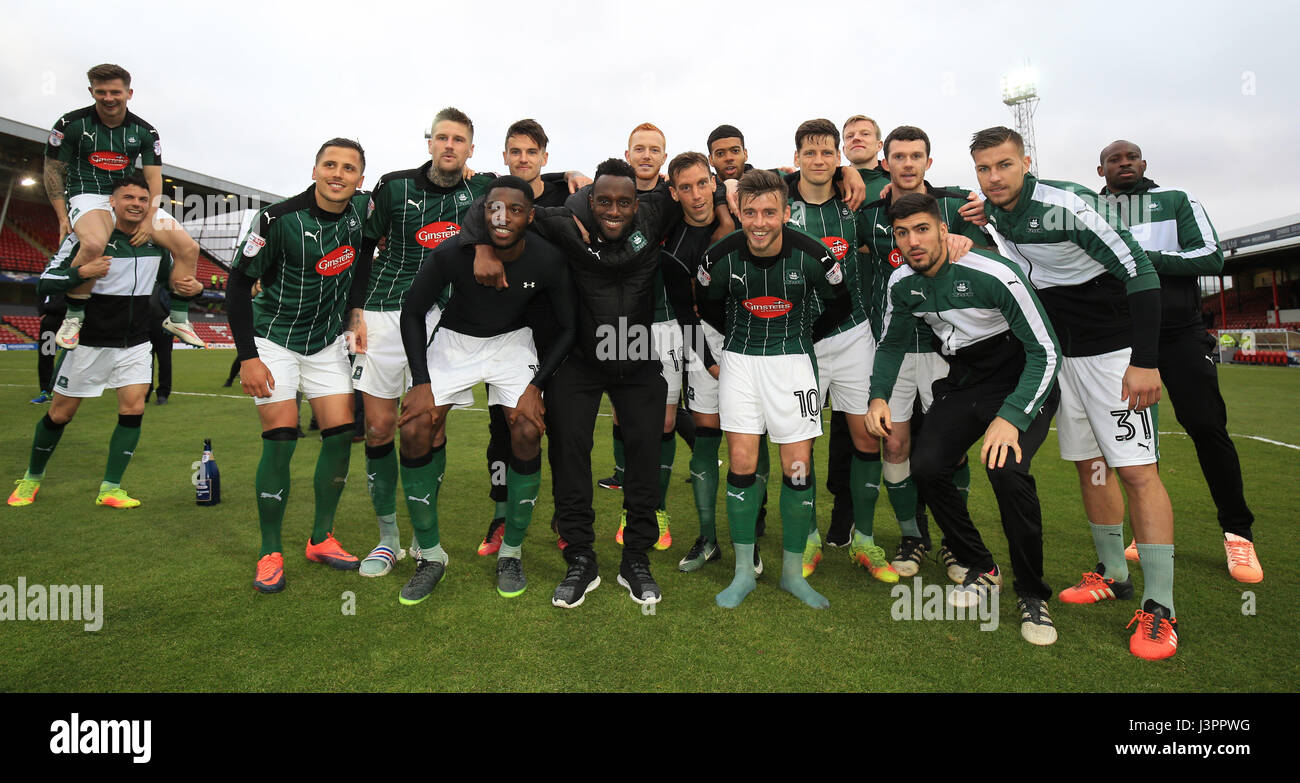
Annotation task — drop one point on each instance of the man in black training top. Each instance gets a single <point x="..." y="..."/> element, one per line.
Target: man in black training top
<point x="480" y="339"/>
<point x="613" y="273"/>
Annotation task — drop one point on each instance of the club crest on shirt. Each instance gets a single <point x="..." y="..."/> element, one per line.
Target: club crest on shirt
<point x="962" y="288"/>
<point x="637" y="241"/>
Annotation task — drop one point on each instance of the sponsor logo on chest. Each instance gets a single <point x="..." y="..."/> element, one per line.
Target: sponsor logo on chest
<point x="767" y="306"/>
<point x="336" y="261"/>
<point x="435" y="234"/>
<point x="108" y="160"/>
<point x="838" y="246"/>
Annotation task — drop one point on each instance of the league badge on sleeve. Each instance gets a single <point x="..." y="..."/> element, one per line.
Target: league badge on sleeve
<point x="253" y="244"/>
<point x="835" y="275"/>
<point x="157" y="147"/>
<point x="702" y="275"/>
<point x="56" y="138"/>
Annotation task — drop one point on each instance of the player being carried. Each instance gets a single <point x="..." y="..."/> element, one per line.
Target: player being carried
<point x="481" y="338"/>
<point x="116" y="352"/>
<point x="769" y="274"/>
<point x="87" y="152"/>
<point x="289" y="338"/>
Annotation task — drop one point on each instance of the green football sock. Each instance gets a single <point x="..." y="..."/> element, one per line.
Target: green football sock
<point x="864" y="487"/>
<point x="121" y="446"/>
<point x="381" y="479"/>
<point x="77" y="305"/>
<point x="743" y="583"/>
<point x="331" y="475"/>
<point x="523" y="479"/>
<point x="421" y="479"/>
<point x="619" y="454"/>
<point x="179" y="310"/>
<point x="667" y="452"/>
<point x="743" y="501"/>
<point x="961" y="479"/>
<point x="796" y="514"/>
<point x="435" y="552"/>
<point x="500" y="511"/>
<point x="272" y="484"/>
<point x="1157" y="574"/>
<point x="792" y="581"/>
<point x="897" y="478"/>
<point x="43" y="443"/>
<point x="1109" y="540"/>
<point x="704" y="479"/>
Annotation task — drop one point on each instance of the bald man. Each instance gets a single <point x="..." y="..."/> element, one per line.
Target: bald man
<point x="1173" y="229"/>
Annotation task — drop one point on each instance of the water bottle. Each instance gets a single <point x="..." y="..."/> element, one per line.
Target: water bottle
<point x="208" y="486"/>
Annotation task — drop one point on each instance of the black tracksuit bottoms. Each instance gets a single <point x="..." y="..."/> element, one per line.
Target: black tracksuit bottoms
<point x="1193" y="383"/>
<point x="956" y="420"/>
<point x="572" y="400"/>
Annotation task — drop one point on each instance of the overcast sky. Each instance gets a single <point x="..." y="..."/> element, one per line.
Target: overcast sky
<point x="247" y="91"/>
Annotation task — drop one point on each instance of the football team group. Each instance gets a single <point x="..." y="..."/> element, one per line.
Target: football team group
<point x="927" y="318"/>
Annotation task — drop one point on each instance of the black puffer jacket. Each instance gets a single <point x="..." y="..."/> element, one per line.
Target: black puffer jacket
<point x="614" y="280"/>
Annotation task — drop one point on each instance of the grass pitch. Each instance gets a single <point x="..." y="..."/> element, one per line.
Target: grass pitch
<point x="181" y="614"/>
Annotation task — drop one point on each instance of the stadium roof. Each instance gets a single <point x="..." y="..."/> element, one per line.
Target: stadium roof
<point x="23" y="149"/>
<point x="1261" y="237"/>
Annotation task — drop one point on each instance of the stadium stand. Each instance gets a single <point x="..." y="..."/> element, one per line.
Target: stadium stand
<point x="17" y="254"/>
<point x="28" y="325"/>
<point x="37" y="221"/>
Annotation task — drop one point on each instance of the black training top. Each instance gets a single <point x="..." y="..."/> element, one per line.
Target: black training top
<point x="482" y="311"/>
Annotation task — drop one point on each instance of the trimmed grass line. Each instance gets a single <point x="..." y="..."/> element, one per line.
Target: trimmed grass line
<point x="1230" y="435"/>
